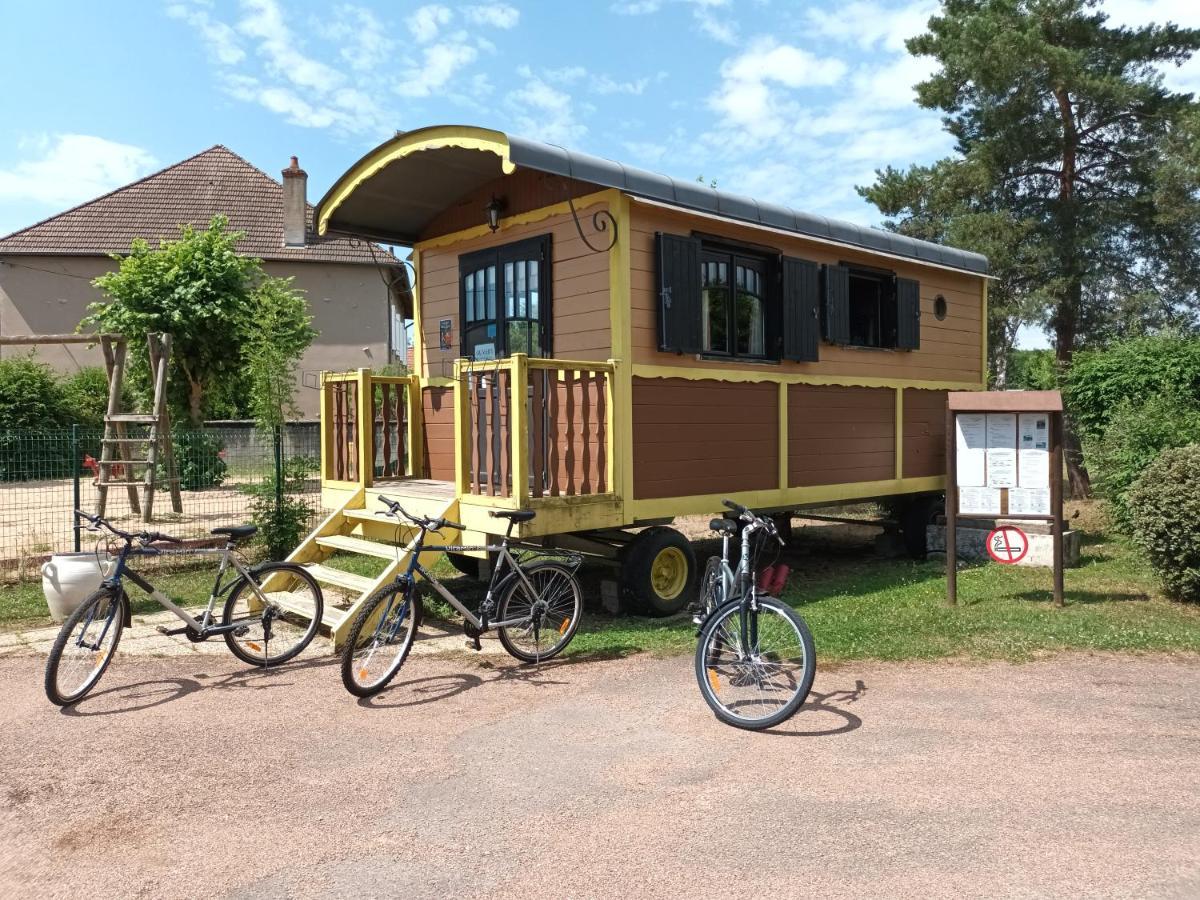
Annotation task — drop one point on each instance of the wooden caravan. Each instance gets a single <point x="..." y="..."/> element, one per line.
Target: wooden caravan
<point x="613" y="348"/>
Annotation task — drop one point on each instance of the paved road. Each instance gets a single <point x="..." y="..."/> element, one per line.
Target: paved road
<point x="191" y="776"/>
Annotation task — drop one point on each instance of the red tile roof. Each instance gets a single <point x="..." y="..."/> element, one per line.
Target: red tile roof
<point x="214" y="182"/>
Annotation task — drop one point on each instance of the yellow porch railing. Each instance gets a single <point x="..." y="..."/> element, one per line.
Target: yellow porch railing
<point x="530" y="429"/>
<point x="370" y="427"/>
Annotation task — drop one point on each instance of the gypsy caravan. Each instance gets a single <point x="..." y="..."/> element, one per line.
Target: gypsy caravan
<point x="612" y="348"/>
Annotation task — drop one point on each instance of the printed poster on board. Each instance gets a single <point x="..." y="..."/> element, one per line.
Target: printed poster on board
<point x="1034" y="450"/>
<point x="971" y="436"/>
<point x="1001" y="450"/>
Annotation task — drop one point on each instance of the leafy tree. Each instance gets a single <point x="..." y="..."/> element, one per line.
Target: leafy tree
<point x="276" y="339"/>
<point x="30" y="395"/>
<point x="197" y="288"/>
<point x="1031" y="370"/>
<point x="1077" y="171"/>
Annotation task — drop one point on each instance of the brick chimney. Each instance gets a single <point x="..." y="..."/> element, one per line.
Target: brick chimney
<point x="295" y="204"/>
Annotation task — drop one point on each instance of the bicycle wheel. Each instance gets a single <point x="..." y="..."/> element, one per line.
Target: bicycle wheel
<point x="759" y="682"/>
<point x="85" y="646"/>
<point x="273" y="633"/>
<point x="550" y="614"/>
<point x="379" y="639"/>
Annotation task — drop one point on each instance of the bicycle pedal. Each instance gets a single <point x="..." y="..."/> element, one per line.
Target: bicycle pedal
<point x="171" y="632"/>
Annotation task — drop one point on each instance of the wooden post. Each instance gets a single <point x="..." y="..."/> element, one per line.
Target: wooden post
<point x="462" y="430"/>
<point x="415" y="428"/>
<point x="614" y="460"/>
<point x="1056" y="501"/>
<point x="364" y="412"/>
<point x="518" y="426"/>
<point x="951" y="510"/>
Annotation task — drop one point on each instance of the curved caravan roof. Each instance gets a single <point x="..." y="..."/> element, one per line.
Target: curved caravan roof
<point x="394" y="191"/>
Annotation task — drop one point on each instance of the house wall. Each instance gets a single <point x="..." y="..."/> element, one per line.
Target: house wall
<point x="579" y="286"/>
<point x="50" y="295"/>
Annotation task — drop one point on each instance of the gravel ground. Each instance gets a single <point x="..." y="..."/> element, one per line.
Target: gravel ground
<point x="192" y="776"/>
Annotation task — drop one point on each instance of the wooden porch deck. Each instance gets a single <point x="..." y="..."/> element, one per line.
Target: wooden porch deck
<point x="425" y="488"/>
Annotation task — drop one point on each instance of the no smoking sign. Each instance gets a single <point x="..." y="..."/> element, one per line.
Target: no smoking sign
<point x="1007" y="544"/>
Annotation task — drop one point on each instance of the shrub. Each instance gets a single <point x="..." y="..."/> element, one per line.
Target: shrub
<point x="30" y="395"/>
<point x="283" y="518"/>
<point x="85" y="397"/>
<point x="200" y="458"/>
<point x="1031" y="370"/>
<point x="1130" y="371"/>
<point x="1164" y="506"/>
<point x="1135" y="435"/>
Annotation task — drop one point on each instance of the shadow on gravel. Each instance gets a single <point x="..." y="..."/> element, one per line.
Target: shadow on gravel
<point x="148" y="694"/>
<point x="825" y="703"/>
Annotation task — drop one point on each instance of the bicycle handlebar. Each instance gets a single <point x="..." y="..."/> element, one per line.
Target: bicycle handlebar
<point x="146" y="537"/>
<point x="750" y="517"/>
<point x="431" y="524"/>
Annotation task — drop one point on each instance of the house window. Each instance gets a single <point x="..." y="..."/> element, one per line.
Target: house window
<point x="504" y="300"/>
<point x="733" y="304"/>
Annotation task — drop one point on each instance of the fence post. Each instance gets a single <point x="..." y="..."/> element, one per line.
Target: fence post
<point x="278" y="434"/>
<point x="76" y="465"/>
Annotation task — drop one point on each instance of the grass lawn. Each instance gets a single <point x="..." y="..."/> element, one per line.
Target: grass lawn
<point x="860" y="606"/>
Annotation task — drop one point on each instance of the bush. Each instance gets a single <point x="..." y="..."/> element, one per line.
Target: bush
<point x="1135" y="435"/>
<point x="1130" y="371"/>
<point x="1164" y="506"/>
<point x="1031" y="370"/>
<point x="284" y="519"/>
<point x="30" y="395"/>
<point x="85" y="397"/>
<point x="200" y="458"/>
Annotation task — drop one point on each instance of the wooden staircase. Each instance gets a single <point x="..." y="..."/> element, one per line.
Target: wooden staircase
<point x="360" y="528"/>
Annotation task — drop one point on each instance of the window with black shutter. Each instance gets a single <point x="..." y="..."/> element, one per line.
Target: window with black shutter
<point x="678" y="262"/>
<point x="504" y="300"/>
<point x="801" y="288"/>
<point x="865" y="307"/>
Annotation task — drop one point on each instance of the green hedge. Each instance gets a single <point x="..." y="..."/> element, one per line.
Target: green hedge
<point x="1164" y="505"/>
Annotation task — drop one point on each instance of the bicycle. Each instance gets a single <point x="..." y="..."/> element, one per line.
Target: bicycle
<point x="755" y="660"/>
<point x="537" y="606"/>
<point x="261" y="627"/>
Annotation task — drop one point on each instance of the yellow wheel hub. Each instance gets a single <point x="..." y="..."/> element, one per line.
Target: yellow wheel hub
<point x="669" y="573"/>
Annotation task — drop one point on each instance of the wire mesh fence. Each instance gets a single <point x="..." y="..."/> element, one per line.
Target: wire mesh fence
<point x="229" y="474"/>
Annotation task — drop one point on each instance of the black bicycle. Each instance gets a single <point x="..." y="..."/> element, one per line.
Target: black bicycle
<point x="535" y="606"/>
<point x="272" y="611"/>
<point x="755" y="662"/>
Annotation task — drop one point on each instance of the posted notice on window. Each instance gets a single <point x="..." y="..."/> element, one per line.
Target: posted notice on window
<point x="1034" y="450"/>
<point x="971" y="436"/>
<point x="1002" y="450"/>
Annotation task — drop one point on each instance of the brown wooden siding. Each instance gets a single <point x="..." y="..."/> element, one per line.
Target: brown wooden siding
<point x="521" y="192"/>
<point x="703" y="437"/>
<point x="839" y="435"/>
<point x="950" y="349"/>
<point x="924" y="433"/>
<point x="579" y="277"/>
<point x="438" y="407"/>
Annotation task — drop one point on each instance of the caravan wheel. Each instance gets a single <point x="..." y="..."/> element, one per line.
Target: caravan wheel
<point x="658" y="571"/>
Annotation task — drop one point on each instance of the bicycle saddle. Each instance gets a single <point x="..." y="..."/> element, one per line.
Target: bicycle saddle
<point x="236" y="532"/>
<point x="726" y="526"/>
<point x="514" y="515"/>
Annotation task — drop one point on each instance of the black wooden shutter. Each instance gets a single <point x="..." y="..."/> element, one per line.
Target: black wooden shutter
<point x="835" y="314"/>
<point x="678" y="293"/>
<point x="908" y="314"/>
<point x="801" y="309"/>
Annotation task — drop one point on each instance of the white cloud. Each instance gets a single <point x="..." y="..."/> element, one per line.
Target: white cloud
<point x="749" y="95"/>
<point x="66" y="169"/>
<point x="596" y="83"/>
<point x="867" y="23"/>
<point x="543" y="111"/>
<point x="496" y="15"/>
<point x="365" y="44"/>
<point x="221" y="40"/>
<point x="427" y="21"/>
<point x="438" y="64"/>
<point x="280" y="47"/>
<point x="719" y="28"/>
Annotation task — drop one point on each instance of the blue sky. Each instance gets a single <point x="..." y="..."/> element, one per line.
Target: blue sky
<point x="794" y="101"/>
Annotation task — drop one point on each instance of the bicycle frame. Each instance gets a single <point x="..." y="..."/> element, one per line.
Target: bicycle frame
<point x="737" y="584"/>
<point x="204" y="626"/>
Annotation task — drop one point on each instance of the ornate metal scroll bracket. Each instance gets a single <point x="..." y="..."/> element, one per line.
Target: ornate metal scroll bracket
<point x="602" y="220"/>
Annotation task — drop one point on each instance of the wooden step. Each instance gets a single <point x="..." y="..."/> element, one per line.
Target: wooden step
<point x="336" y="577"/>
<point x="360" y="545"/>
<point x="134" y="418"/>
<point x="331" y="616"/>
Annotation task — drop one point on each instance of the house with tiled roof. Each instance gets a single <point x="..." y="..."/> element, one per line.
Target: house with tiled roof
<point x="356" y="290"/>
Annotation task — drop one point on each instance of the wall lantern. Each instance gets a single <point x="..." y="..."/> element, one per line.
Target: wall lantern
<point x="494" y="208"/>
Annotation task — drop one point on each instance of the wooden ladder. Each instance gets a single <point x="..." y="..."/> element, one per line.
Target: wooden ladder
<point x="116" y="448"/>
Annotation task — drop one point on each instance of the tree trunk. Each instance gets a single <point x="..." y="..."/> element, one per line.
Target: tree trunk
<point x="1079" y="485"/>
<point x="195" y="403"/>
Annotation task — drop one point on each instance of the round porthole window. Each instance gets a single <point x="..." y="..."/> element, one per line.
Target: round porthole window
<point x="939" y="307"/>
